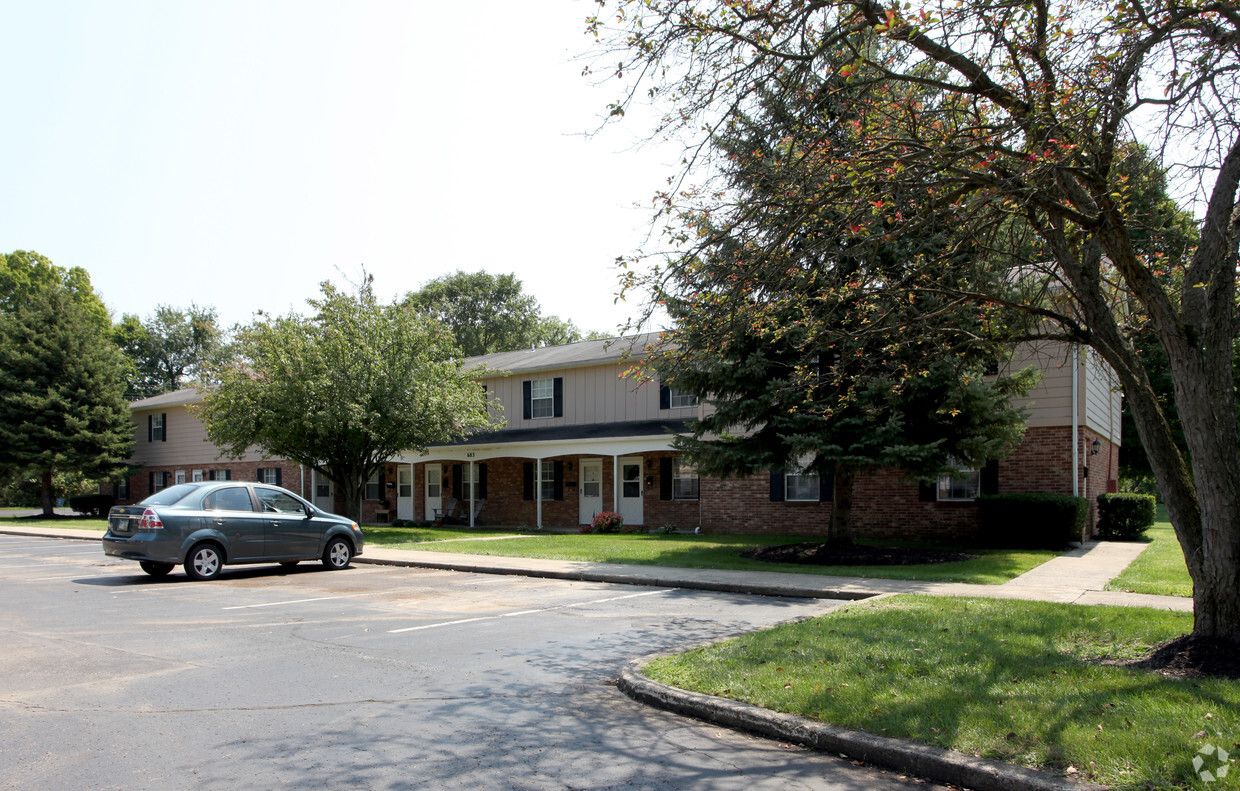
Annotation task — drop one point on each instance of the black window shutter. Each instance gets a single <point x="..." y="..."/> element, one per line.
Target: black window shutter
<point x="164" y="416"/>
<point x="665" y="478"/>
<point x="259" y="476"/>
<point x="151" y="484"/>
<point x="482" y="481"/>
<point x="558" y="400"/>
<point x="777" y="486"/>
<point x="150" y="428"/>
<point x="458" y="482"/>
<point x="527" y="483"/>
<point x="557" y="481"/>
<point x="826" y="484"/>
<point x="167" y="479"/>
<point x="527" y="399"/>
<point x="279" y="477"/>
<point x="990" y="477"/>
<point x="665" y="397"/>
<point x="228" y="475"/>
<point x="927" y="491"/>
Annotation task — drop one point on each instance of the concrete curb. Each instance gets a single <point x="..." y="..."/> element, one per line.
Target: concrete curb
<point x="619" y="578"/>
<point x="935" y="763"/>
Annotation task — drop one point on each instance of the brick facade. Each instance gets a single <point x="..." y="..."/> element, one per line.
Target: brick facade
<point x="290" y="476"/>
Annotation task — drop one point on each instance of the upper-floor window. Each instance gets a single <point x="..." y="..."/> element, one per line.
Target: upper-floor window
<point x="542" y="398"/>
<point x="672" y="398"/>
<point x="157" y="431"/>
<point x="684" y="480"/>
<point x="679" y="398"/>
<point x="801" y="483"/>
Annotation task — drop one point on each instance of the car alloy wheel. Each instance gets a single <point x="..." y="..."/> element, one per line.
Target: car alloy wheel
<point x="204" y="562"/>
<point x="338" y="554"/>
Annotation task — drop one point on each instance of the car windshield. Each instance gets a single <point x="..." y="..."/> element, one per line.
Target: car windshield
<point x="173" y="494"/>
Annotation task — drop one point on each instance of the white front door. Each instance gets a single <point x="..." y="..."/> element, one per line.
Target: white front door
<point x="404" y="492"/>
<point x="590" y="490"/>
<point x="434" y="489"/>
<point x="322" y="492"/>
<point x="631" y="490"/>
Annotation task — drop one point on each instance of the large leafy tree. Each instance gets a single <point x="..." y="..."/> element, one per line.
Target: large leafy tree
<point x="343" y="390"/>
<point x="805" y="364"/>
<point x="62" y="406"/>
<point x="170" y="348"/>
<point x="489" y="313"/>
<point x="1018" y="115"/>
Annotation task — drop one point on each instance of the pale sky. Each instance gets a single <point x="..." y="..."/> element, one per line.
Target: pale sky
<point x="236" y="154"/>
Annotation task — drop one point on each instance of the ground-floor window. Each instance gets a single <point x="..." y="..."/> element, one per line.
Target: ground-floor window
<point x="964" y="485"/>
<point x="546" y="480"/>
<point x="800" y="483"/>
<point x="195" y="476"/>
<point x="180" y="476"/>
<point x="685" y="482"/>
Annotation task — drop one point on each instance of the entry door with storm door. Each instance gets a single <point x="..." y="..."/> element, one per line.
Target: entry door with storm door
<point x="631" y="490"/>
<point x="323" y="499"/>
<point x="590" y="493"/>
<point x="404" y="492"/>
<point x="434" y="489"/>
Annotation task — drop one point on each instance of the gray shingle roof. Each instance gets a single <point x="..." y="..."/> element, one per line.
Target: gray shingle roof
<point x="189" y="395"/>
<point x="570" y="355"/>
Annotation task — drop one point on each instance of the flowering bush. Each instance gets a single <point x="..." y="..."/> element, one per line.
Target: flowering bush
<point x="607" y="522"/>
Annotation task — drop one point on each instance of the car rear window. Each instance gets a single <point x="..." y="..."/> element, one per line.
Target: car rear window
<point x="173" y="494"/>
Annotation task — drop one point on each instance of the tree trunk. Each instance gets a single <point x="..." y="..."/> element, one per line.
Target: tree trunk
<point x="45" y="494"/>
<point x="840" y="531"/>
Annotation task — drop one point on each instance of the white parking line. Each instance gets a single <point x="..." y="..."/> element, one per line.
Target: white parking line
<point x="526" y="612"/>
<point x="278" y="603"/>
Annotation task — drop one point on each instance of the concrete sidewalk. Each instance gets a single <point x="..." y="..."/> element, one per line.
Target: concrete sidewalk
<point x="1076" y="577"/>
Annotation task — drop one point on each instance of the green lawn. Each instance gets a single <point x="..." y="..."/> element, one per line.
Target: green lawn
<point x="715" y="552"/>
<point x="1160" y="569"/>
<point x="1015" y="681"/>
<point x="67" y="522"/>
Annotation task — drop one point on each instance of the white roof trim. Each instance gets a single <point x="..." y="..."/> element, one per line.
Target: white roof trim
<point x="618" y="446"/>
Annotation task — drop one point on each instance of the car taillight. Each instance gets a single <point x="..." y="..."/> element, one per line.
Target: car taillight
<point x="150" y="521"/>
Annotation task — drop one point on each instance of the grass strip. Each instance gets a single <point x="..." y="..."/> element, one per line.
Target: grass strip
<point x="1160" y="569"/>
<point x="1016" y="681"/>
<point x="66" y="522"/>
<point x="992" y="567"/>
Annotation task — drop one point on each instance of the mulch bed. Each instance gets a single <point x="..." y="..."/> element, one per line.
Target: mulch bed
<point x="1192" y="657"/>
<point x="822" y="554"/>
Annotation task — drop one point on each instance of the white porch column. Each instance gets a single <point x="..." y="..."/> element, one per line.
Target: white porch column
<point x="538" y="489"/>
<point x="473" y="485"/>
<point x="615" y="484"/>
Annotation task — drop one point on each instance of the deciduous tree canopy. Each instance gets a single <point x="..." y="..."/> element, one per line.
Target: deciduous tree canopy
<point x="1003" y="117"/>
<point x="343" y="390"/>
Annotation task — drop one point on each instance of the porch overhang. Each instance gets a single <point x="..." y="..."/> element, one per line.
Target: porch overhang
<point x="619" y="439"/>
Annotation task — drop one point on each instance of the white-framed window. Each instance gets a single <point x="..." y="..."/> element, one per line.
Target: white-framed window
<point x="180" y="476"/>
<point x="372" y="487"/>
<point x="684" y="480"/>
<point x="159" y="482"/>
<point x="404" y="482"/>
<point x="542" y="398"/>
<point x="157" y="427"/>
<point x="271" y="475"/>
<point x="122" y="490"/>
<point x="964" y="485"/>
<point x="678" y="399"/>
<point x="469" y="480"/>
<point x="801" y="484"/>
<point x="195" y="476"/>
<point x="546" y="480"/>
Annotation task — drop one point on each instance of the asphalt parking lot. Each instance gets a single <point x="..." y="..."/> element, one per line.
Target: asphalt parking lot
<point x="371" y="677"/>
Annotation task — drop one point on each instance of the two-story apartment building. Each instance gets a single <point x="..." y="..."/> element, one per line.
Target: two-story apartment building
<point x="581" y="438"/>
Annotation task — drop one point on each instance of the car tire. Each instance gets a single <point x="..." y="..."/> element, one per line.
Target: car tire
<point x="155" y="568"/>
<point x="338" y="554"/>
<point x="204" y="561"/>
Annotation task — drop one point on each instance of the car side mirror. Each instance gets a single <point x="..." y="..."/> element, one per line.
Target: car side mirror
<point x="309" y="511"/>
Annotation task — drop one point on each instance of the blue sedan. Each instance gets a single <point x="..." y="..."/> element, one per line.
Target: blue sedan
<point x="207" y="525"/>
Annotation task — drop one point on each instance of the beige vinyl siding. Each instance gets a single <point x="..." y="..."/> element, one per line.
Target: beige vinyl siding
<point x="593" y="394"/>
<point x="1049" y="403"/>
<point x="187" y="441"/>
<point x="1102" y="397"/>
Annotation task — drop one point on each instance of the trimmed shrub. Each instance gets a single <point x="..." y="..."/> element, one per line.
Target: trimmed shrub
<point x="1124" y="517"/>
<point x="1032" y="521"/>
<point x="92" y="504"/>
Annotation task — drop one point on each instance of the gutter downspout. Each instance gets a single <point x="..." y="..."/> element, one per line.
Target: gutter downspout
<point x="1076" y="486"/>
<point x="302" y="469"/>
